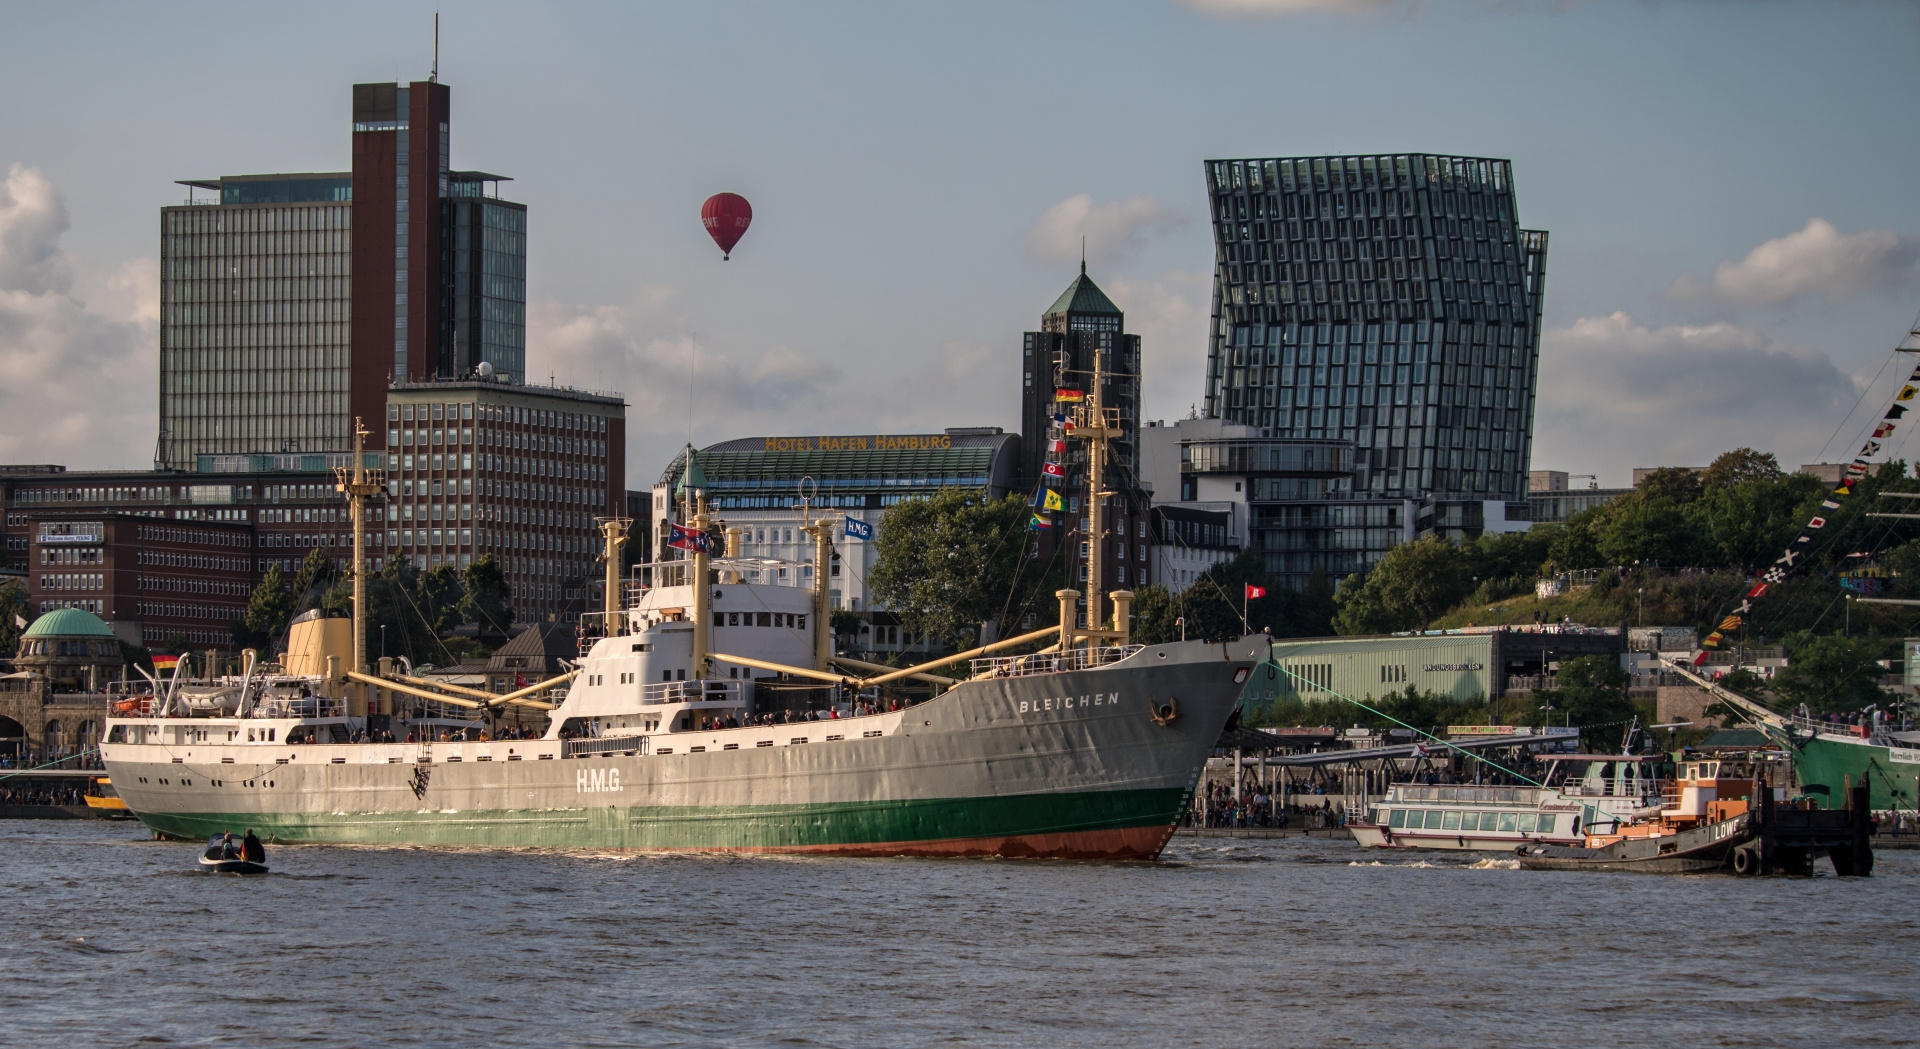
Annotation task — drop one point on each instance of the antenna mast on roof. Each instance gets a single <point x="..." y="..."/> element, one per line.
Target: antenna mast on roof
<point x="434" y="77"/>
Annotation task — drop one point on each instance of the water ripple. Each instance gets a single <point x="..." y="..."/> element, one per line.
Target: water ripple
<point x="1306" y="942"/>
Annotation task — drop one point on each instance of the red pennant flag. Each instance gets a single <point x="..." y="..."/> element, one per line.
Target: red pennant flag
<point x="1255" y="591"/>
<point x="1759" y="590"/>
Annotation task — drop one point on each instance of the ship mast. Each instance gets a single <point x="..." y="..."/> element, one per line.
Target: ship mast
<point x="1097" y="429"/>
<point x="613" y="531"/>
<point x="359" y="484"/>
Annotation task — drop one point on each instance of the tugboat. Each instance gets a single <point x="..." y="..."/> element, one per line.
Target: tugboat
<point x="1724" y="815"/>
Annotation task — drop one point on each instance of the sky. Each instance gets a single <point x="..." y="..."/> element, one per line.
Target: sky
<point x="1734" y="252"/>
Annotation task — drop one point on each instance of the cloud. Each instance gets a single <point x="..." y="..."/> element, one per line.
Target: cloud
<point x="1111" y="230"/>
<point x="79" y="350"/>
<point x="1816" y="261"/>
<point x="1284" y="8"/>
<point x="645" y="350"/>
<point x="1616" y="393"/>
<point x="1170" y="315"/>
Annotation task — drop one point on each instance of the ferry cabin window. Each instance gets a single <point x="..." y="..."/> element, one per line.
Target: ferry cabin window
<point x="1398" y="818"/>
<point x="1526" y="823"/>
<point x="1506" y="821"/>
<point x="1470" y="821"/>
<point x="1546" y="824"/>
<point x="1451" y="822"/>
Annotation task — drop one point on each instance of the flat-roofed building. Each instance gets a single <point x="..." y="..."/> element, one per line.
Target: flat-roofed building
<point x="755" y="484"/>
<point x="483" y="467"/>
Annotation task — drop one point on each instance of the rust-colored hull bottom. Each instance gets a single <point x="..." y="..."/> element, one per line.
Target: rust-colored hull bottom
<point x="1132" y="843"/>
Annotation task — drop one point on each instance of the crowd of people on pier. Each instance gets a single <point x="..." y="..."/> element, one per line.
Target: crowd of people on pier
<point x="42" y="796"/>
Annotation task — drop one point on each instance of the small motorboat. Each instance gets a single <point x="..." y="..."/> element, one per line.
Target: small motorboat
<point x="226" y="856"/>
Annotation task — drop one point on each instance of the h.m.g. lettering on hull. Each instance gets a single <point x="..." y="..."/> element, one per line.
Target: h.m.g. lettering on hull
<point x="596" y="781"/>
<point x="1065" y="703"/>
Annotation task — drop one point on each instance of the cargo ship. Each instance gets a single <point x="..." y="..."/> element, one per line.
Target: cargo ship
<point x="677" y="728"/>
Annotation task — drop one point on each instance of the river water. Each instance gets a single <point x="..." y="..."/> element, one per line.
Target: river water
<point x="113" y="939"/>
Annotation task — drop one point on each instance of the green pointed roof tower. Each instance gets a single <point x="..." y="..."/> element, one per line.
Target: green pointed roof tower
<point x="692" y="476"/>
<point x="1082" y="296"/>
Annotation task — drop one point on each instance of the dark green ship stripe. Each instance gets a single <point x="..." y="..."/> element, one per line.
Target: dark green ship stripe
<point x="823" y="825"/>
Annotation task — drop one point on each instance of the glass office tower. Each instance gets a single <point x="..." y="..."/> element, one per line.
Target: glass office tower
<point x="289" y="302"/>
<point x="1392" y="301"/>
<point x="255" y="283"/>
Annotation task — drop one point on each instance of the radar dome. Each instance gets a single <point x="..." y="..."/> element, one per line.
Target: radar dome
<point x="484" y="370"/>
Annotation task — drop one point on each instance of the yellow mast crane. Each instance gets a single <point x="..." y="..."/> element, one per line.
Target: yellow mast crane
<point x="1097" y="425"/>
<point x="359" y="484"/>
<point x="613" y="533"/>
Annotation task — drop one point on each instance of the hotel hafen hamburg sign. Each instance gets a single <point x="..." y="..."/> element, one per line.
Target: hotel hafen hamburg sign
<point x="878" y="442"/>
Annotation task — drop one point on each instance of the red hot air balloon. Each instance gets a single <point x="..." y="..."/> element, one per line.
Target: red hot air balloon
<point x="726" y="216"/>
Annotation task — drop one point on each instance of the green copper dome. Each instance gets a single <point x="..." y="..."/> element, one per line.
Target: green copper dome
<point x="68" y="622"/>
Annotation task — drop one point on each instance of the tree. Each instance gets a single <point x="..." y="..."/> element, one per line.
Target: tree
<point x="13" y="609"/>
<point x="1741" y="466"/>
<point x="1593" y="692"/>
<point x="441" y="593"/>
<point x="1156" y="613"/>
<point x="1410" y="587"/>
<point x="269" y="609"/>
<point x="484" y="602"/>
<point x="311" y="583"/>
<point x="954" y="560"/>
<point x="1650" y="529"/>
<point x="1832" y="674"/>
<point x="1672" y="484"/>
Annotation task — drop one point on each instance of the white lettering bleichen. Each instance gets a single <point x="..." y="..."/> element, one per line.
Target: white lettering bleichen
<point x="1043" y="706"/>
<point x="596" y="781"/>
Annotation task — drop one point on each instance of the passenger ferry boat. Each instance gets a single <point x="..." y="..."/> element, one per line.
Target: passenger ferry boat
<point x="1089" y="748"/>
<point x="1583" y="792"/>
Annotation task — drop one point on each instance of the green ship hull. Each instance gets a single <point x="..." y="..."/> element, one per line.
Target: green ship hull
<point x="1826" y="766"/>
<point x="1102" y="823"/>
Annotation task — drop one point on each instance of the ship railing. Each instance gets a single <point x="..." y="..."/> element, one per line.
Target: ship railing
<point x="1870" y="733"/>
<point x="709" y="691"/>
<point x="1476" y="795"/>
<point x="1052" y="662"/>
<point x="580" y="748"/>
<point x="299" y="707"/>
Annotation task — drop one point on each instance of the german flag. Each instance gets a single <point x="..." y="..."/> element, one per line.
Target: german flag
<point x="165" y="662"/>
<point x="1065" y="395"/>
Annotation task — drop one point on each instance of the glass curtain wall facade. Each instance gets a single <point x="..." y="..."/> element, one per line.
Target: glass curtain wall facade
<point x="486" y="273"/>
<point x="1392" y="301"/>
<point x="255" y="351"/>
